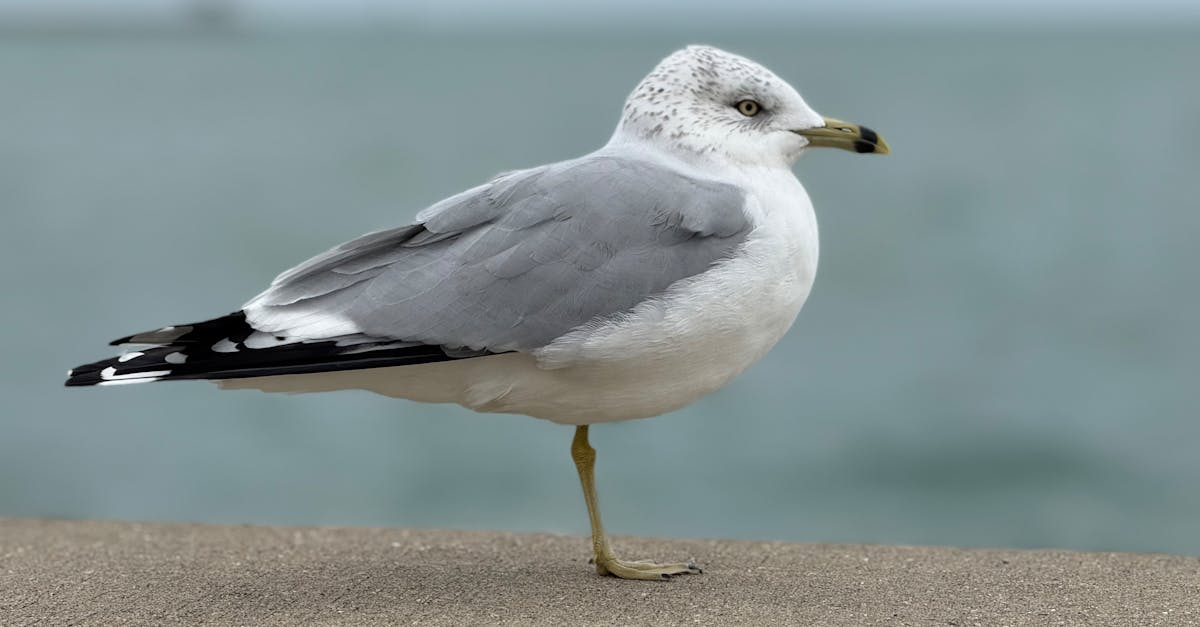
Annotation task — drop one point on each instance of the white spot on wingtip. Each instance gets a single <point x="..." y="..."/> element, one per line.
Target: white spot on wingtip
<point x="110" y="374"/>
<point x="175" y="358"/>
<point x="258" y="340"/>
<point x="127" y="356"/>
<point x="129" y="381"/>
<point x="224" y="346"/>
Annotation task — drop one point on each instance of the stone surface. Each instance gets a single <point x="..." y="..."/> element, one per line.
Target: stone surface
<point x="118" y="573"/>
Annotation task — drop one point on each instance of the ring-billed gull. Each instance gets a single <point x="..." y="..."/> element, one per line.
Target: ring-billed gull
<point x="623" y="284"/>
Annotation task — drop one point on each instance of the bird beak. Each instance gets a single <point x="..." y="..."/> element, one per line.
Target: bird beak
<point x="844" y="135"/>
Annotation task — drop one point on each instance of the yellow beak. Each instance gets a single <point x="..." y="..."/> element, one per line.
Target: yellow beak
<point x="847" y="136"/>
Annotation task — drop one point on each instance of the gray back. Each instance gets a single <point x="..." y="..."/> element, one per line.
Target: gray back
<point x="515" y="263"/>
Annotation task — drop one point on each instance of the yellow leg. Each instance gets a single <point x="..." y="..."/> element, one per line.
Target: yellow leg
<point x="606" y="562"/>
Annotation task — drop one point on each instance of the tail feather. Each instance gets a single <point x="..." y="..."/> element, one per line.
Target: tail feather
<point x="229" y="348"/>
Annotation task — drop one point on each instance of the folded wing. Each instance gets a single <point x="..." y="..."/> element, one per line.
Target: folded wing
<point x="507" y="266"/>
<point x="516" y="263"/>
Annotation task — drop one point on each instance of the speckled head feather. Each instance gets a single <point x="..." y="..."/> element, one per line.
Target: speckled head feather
<point x="690" y="102"/>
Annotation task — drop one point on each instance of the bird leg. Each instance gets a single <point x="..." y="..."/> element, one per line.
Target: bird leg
<point x="606" y="562"/>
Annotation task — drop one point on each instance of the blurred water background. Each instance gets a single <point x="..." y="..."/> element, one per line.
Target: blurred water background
<point x="1001" y="348"/>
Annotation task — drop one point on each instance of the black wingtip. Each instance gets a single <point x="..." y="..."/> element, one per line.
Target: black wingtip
<point x="82" y="376"/>
<point x="76" y="382"/>
<point x="191" y="352"/>
<point x="229" y="324"/>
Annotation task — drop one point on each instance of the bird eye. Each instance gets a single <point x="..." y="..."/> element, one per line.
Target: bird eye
<point x="748" y="108"/>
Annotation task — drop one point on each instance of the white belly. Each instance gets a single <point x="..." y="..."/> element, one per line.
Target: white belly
<point x="666" y="354"/>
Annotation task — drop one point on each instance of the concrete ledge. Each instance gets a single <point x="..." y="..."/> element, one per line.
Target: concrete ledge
<point x="114" y="573"/>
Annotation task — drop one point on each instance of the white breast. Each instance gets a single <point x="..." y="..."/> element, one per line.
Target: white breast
<point x="705" y="331"/>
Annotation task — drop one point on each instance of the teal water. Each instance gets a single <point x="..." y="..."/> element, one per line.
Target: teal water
<point x="1001" y="348"/>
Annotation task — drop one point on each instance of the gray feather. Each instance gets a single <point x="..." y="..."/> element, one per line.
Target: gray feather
<point x="515" y="263"/>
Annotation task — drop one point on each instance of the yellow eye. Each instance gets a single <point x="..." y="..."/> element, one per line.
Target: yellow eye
<point x="748" y="108"/>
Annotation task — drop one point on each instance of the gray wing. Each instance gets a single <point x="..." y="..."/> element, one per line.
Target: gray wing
<point x="515" y="263"/>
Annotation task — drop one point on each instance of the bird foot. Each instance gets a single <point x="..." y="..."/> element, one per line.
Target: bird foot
<point x="643" y="569"/>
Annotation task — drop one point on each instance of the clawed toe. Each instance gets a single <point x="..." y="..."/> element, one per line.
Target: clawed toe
<point x="645" y="569"/>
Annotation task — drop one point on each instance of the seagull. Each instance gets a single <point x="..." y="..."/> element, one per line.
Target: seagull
<point x="622" y="284"/>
